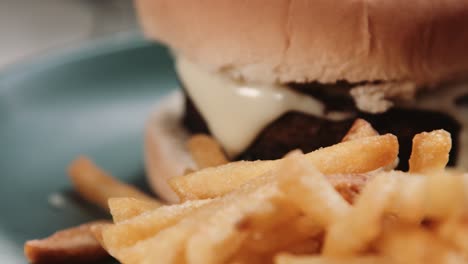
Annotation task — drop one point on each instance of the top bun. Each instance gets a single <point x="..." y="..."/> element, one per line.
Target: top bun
<point x="420" y="41"/>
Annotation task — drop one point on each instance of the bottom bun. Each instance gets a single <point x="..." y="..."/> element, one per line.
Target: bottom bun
<point x="165" y="153"/>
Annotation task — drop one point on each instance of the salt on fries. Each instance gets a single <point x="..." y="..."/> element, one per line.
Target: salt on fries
<point x="73" y="245"/>
<point x="124" y="208"/>
<point x="289" y="211"/>
<point x="340" y="204"/>
<point x="206" y="151"/>
<point x="97" y="186"/>
<point x="360" y="129"/>
<point x="356" y="156"/>
<point x="430" y="152"/>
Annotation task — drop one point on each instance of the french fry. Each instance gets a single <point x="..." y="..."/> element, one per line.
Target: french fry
<point x="454" y="230"/>
<point x="96" y="186"/>
<point x="310" y="190"/>
<point x="262" y="220"/>
<point x="247" y="257"/>
<point x="127" y="233"/>
<point x="218" y="237"/>
<point x="409" y="202"/>
<point x="430" y="153"/>
<point x="360" y="129"/>
<point x="168" y="245"/>
<point x="206" y="151"/>
<point x="293" y="259"/>
<point x="331" y="206"/>
<point x="285" y="236"/>
<point x="363" y="221"/>
<point x="349" y="185"/>
<point x="413" y="244"/>
<point x="374" y="152"/>
<point x="124" y="208"/>
<point x="445" y="196"/>
<point x="96" y="231"/>
<point x="73" y="245"/>
<point x="165" y="247"/>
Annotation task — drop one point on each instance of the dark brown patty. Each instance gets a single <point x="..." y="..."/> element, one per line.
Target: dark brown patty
<point x="296" y="130"/>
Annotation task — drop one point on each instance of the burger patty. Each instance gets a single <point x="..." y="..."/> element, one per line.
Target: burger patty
<point x="295" y="130"/>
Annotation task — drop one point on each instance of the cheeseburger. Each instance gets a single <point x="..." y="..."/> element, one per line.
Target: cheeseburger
<point x="266" y="77"/>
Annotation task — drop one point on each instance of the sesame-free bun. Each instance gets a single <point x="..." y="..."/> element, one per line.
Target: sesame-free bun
<point x="418" y="41"/>
<point x="165" y="153"/>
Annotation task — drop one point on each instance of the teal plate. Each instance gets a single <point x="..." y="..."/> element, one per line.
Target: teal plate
<point x="92" y="100"/>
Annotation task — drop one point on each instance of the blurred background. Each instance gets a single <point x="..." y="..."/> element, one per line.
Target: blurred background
<point x="33" y="27"/>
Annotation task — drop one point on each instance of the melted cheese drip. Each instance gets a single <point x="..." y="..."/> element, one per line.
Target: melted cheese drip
<point x="235" y="112"/>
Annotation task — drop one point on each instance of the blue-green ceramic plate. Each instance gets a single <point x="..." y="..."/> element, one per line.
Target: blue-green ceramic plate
<point x="92" y="100"/>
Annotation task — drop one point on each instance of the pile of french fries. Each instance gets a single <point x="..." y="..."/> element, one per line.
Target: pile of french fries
<point x="340" y="204"/>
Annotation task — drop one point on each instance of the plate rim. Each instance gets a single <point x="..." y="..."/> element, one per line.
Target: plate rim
<point x="54" y="58"/>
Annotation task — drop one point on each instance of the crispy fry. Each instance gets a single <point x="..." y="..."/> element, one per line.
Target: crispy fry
<point x="96" y="186"/>
<point x="300" y="231"/>
<point x="218" y="237"/>
<point x="96" y="231"/>
<point x="430" y="153"/>
<point x="166" y="246"/>
<point x="455" y="231"/>
<point x="73" y="245"/>
<point x="360" y="129"/>
<point x="362" y="225"/>
<point x="445" y="196"/>
<point x="409" y="202"/>
<point x="413" y="244"/>
<point x="206" y="151"/>
<point x="374" y="153"/>
<point x="307" y="188"/>
<point x="292" y="259"/>
<point x="124" y="208"/>
<point x="313" y="204"/>
<point x="141" y="227"/>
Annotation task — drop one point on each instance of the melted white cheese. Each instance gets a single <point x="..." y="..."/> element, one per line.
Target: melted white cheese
<point x="236" y="112"/>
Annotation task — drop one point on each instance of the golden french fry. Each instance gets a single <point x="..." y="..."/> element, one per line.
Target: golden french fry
<point x="409" y="202"/>
<point x="293" y="259"/>
<point x="430" y="153"/>
<point x="262" y="220"/>
<point x="96" y="231"/>
<point x="360" y="129"/>
<point x="206" y="151"/>
<point x="413" y="244"/>
<point x="300" y="233"/>
<point x="168" y="245"/>
<point x="165" y="247"/>
<point x="445" y="196"/>
<point x="311" y="246"/>
<point x="363" y="221"/>
<point x="219" y="236"/>
<point x="310" y="190"/>
<point x="124" y="208"/>
<point x="73" y="245"/>
<point x="96" y="186"/>
<point x="455" y="231"/>
<point x="247" y="257"/>
<point x="127" y="233"/>
<point x="349" y="185"/>
<point x="356" y="156"/>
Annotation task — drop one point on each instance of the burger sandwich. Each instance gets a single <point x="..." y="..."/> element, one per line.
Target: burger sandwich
<point x="266" y="77"/>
